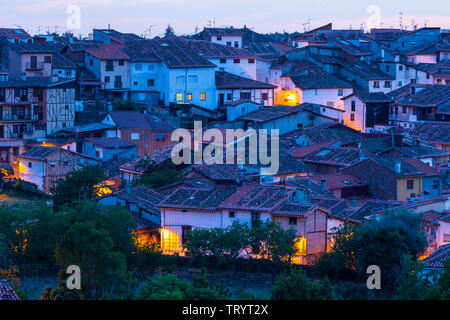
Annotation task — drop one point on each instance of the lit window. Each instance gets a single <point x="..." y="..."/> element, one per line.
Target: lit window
<point x="203" y="96"/>
<point x="135" y="136"/>
<point x="292" y="221"/>
<point x="352" y="117"/>
<point x="179" y="96"/>
<point x="189" y="97"/>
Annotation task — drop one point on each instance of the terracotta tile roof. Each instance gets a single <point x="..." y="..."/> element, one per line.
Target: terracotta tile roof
<point x="172" y="51"/>
<point x="140" y="196"/>
<point x="437" y="258"/>
<point x="38" y="153"/>
<point x="208" y="199"/>
<point x="338" y="181"/>
<point x="301" y="152"/>
<point x="158" y="157"/>
<point x="432" y="96"/>
<point x="335" y="156"/>
<point x="225" y="80"/>
<point x="137" y="120"/>
<point x="371" y="207"/>
<point x="6" y="292"/>
<point x="268" y="114"/>
<point x="255" y="197"/>
<point x="110" y="143"/>
<point x="422" y="151"/>
<point x="294" y="209"/>
<point x="433" y="132"/>
<point x="108" y="52"/>
<point x="422" y="167"/>
<point x="216" y="50"/>
<point x="219" y="172"/>
<point x="370" y="97"/>
<point x="11" y="33"/>
<point x="329" y="132"/>
<point x="223" y="31"/>
<point x="317" y="80"/>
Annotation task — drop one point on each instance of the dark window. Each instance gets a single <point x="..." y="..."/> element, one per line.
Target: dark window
<point x="107" y="79"/>
<point x="236" y="44"/>
<point x="150" y="82"/>
<point x="223" y="60"/>
<point x="352" y="117"/>
<point x="400" y="68"/>
<point x="231" y="214"/>
<point x="403" y="109"/>
<point x="255" y="218"/>
<point x="229" y="43"/>
<point x="245" y="95"/>
<point x="121" y="62"/>
<point x="376" y="84"/>
<point x="264" y="96"/>
<point x="237" y="60"/>
<point x="353" y="105"/>
<point x="435" y="184"/>
<point x="292" y="221"/>
<point x="185" y="231"/>
<point x="229" y="96"/>
<point x="48" y="59"/>
<point x="410" y="184"/>
<point x="91" y="62"/>
<point x="387" y="68"/>
<point x="251" y="60"/>
<point x="109" y="65"/>
<point x="219" y="38"/>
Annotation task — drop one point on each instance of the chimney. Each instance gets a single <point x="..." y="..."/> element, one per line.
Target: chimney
<point x="398" y="166"/>
<point x="323" y="184"/>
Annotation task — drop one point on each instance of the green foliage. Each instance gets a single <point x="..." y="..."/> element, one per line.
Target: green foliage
<point x="296" y="286"/>
<point x="169" y="287"/>
<point x="20" y="188"/>
<point x="169" y="32"/>
<point x="147" y="258"/>
<point x="158" y="175"/>
<point x="274" y="243"/>
<point x="124" y="104"/>
<point x="83" y="183"/>
<point x="381" y="242"/>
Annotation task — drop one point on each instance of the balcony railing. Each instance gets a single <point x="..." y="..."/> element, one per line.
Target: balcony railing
<point x="34" y="66"/>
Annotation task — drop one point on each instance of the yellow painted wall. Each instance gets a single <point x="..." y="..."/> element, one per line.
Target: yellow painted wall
<point x="403" y="194"/>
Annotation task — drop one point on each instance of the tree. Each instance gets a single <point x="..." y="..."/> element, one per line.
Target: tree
<point x="102" y="269"/>
<point x="382" y="242"/>
<point x="296" y="286"/>
<point x="169" y="32"/>
<point x="157" y="175"/>
<point x="83" y="183"/>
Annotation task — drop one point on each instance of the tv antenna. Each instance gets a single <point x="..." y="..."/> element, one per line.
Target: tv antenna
<point x="212" y="23"/>
<point x="307" y="24"/>
<point x="400" y="20"/>
<point x="149" y="29"/>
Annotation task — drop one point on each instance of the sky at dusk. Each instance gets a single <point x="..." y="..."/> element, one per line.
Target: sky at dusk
<point x="185" y="15"/>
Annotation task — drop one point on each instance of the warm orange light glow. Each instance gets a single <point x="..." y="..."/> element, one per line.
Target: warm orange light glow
<point x="300" y="250"/>
<point x="423" y="256"/>
<point x="289" y="98"/>
<point x="48" y="144"/>
<point x="170" y="241"/>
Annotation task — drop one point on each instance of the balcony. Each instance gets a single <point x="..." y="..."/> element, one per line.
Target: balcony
<point x="34" y="66"/>
<point x="19" y="117"/>
<point x="117" y="84"/>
